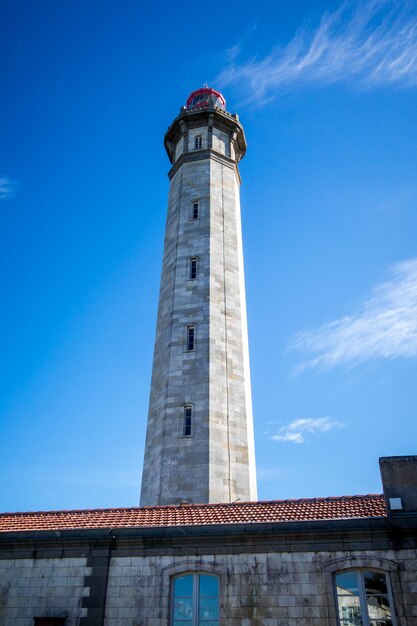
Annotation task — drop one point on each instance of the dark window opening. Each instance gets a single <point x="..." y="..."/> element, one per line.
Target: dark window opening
<point x="193" y="269"/>
<point x="190" y="338"/>
<point x="196" y="210"/>
<point x="188" y="414"/>
<point x="198" y="142"/>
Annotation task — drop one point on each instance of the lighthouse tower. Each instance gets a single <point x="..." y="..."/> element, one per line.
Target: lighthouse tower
<point x="199" y="443"/>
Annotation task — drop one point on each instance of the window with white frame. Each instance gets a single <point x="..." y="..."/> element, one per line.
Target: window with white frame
<point x="190" y="340"/>
<point x="188" y="421"/>
<point x="195" y="600"/>
<point x="363" y="598"/>
<point x="192" y="268"/>
<point x="198" y="142"/>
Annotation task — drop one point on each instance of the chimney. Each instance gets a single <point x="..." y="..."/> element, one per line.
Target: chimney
<point x="399" y="482"/>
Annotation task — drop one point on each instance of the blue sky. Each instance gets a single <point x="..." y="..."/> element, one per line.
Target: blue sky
<point x="327" y="93"/>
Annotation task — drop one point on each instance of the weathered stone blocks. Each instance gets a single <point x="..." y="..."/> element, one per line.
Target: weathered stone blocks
<point x="217" y="462"/>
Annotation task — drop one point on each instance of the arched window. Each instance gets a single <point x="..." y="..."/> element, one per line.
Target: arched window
<point x="195" y="600"/>
<point x="363" y="598"/>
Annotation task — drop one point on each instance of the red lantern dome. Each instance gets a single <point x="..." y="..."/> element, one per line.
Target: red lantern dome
<point x="206" y="98"/>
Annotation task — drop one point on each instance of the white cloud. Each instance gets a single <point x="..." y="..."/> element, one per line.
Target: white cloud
<point x="372" y="42"/>
<point x="295" y="431"/>
<point x="7" y="188"/>
<point x="384" y="326"/>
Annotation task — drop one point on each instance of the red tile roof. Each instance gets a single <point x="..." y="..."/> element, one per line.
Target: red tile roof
<point x="345" y="507"/>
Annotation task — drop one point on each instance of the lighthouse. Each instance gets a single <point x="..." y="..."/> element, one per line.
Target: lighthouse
<point x="200" y="442"/>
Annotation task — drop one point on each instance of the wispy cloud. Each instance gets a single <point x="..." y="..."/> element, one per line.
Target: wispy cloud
<point x="384" y="326"/>
<point x="7" y="188"/>
<point x="296" y="431"/>
<point x="372" y="43"/>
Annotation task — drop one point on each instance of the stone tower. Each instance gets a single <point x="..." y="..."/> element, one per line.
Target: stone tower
<point x="199" y="443"/>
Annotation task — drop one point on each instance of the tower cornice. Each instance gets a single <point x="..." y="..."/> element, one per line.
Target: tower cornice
<point x="200" y="155"/>
<point x="211" y="117"/>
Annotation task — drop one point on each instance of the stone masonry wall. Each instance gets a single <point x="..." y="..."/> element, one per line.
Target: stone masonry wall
<point x="232" y="455"/>
<point x="43" y="587"/>
<point x="180" y="377"/>
<point x="265" y="580"/>
<point x="216" y="463"/>
<point x="220" y="142"/>
<point x="281" y="589"/>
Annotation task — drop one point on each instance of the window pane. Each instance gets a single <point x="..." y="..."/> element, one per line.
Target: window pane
<point x="193" y="269"/>
<point x="183" y="586"/>
<point x="349" y="611"/>
<point x="375" y="582"/>
<point x="208" y="609"/>
<point x="347" y="583"/>
<point x="378" y="609"/>
<point x="187" y="426"/>
<point x="190" y="338"/>
<point x="184" y="599"/>
<point x="183" y="608"/>
<point x="209" y="585"/>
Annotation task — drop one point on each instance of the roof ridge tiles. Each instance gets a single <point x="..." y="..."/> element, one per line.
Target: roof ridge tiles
<point x="260" y="512"/>
<point x="190" y="507"/>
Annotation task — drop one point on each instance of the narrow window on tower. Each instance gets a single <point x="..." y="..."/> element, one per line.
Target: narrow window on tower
<point x="198" y="142"/>
<point x="192" y="268"/>
<point x="188" y="416"/>
<point x="190" y="337"/>
<point x="195" y="213"/>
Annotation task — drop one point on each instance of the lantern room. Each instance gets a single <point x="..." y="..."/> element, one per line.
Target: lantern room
<point x="206" y="98"/>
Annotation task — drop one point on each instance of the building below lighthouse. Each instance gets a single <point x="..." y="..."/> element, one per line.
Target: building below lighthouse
<point x="200" y="442"/>
<point x="201" y="551"/>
